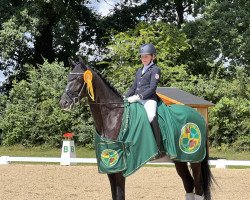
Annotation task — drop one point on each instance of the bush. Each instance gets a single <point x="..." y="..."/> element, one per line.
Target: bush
<point x="242" y="143"/>
<point x="33" y="115"/>
<point x="229" y="121"/>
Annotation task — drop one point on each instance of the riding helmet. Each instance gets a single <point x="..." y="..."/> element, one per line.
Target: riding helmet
<point x="147" y="49"/>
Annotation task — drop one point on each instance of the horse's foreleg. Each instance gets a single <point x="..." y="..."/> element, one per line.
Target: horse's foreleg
<point x="120" y="186"/>
<point x="117" y="183"/>
<point x="112" y="181"/>
<point x="184" y="173"/>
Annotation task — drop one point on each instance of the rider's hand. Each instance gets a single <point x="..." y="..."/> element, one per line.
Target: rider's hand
<point x="133" y="98"/>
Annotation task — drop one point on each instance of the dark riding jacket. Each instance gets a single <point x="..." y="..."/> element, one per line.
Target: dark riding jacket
<point x="145" y="84"/>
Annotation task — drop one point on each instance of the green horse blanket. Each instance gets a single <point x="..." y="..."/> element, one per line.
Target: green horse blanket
<point x="183" y="132"/>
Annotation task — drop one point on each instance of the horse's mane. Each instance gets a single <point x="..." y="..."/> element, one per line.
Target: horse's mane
<point x="104" y="79"/>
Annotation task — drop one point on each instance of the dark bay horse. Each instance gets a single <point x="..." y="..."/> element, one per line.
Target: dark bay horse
<point x="107" y="107"/>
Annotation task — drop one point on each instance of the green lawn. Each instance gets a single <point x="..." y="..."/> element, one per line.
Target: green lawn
<point x="228" y="154"/>
<point x="82" y="152"/>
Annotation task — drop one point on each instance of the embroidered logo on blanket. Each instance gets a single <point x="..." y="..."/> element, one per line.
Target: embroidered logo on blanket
<point x="190" y="138"/>
<point x="109" y="157"/>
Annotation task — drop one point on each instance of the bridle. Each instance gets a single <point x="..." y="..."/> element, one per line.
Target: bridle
<point x="77" y="98"/>
<point x="71" y="95"/>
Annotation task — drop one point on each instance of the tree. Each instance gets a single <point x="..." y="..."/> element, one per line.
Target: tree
<point x="39" y="29"/>
<point x="32" y="115"/>
<point x="3" y="100"/>
<point x="172" y="11"/>
<point x="219" y="37"/>
<point x="231" y="124"/>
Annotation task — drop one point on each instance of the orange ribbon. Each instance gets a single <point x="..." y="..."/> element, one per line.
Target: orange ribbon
<point x="87" y="77"/>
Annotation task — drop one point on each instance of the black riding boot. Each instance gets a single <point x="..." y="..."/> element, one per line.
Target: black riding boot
<point x="157" y="133"/>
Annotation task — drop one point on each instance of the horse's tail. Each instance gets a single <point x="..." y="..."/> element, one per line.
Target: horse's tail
<point x="207" y="176"/>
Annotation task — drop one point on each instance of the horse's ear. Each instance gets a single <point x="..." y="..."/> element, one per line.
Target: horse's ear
<point x="72" y="63"/>
<point x="80" y="59"/>
<point x="82" y="63"/>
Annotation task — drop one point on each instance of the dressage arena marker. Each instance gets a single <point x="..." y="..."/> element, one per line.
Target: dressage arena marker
<point x="220" y="163"/>
<point x="68" y="151"/>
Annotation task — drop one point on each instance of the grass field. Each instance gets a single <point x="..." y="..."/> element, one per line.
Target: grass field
<point x="228" y="154"/>
<point x="83" y="152"/>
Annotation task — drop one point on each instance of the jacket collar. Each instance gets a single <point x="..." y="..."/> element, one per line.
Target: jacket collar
<point x="150" y="67"/>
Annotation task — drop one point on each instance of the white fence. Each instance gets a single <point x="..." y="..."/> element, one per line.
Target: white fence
<point x="220" y="163"/>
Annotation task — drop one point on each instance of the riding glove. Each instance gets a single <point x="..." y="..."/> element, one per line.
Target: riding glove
<point x="133" y="98"/>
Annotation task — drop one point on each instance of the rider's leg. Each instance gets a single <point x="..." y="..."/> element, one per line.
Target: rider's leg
<point x="150" y="107"/>
<point x="157" y="132"/>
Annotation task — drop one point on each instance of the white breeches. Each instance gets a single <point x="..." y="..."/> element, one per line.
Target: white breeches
<point x="150" y="107"/>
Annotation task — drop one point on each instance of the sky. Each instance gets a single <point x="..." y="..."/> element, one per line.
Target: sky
<point x="1" y="77"/>
<point x="103" y="6"/>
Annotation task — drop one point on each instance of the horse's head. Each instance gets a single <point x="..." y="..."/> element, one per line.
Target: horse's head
<point x="75" y="88"/>
<point x="106" y="104"/>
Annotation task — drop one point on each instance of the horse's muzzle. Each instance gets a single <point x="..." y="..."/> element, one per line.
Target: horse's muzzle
<point x="66" y="103"/>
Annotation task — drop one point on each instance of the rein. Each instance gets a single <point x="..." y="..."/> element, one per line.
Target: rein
<point x="109" y="103"/>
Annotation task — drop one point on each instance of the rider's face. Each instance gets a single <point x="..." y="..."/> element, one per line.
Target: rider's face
<point x="146" y="59"/>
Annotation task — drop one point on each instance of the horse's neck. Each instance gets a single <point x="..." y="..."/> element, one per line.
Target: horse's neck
<point x="107" y="110"/>
<point x="104" y="93"/>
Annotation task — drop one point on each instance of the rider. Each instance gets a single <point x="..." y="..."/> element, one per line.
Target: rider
<point x="144" y="87"/>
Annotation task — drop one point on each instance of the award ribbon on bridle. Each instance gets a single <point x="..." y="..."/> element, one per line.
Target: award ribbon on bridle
<point x="88" y="76"/>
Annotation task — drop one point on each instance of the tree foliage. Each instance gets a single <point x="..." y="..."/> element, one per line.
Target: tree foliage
<point x="3" y="100"/>
<point x="219" y="36"/>
<point x="39" y="29"/>
<point x="169" y="42"/>
<point x="33" y="30"/>
<point x="33" y="116"/>
<point x="231" y="124"/>
<point x="229" y="23"/>
<point x="171" y="11"/>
